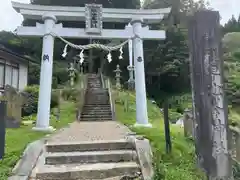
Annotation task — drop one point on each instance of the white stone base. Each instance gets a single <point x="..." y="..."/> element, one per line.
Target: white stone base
<point x="44" y="129"/>
<point x="143" y="125"/>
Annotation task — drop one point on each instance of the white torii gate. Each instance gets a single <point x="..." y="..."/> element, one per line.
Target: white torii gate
<point x="51" y="14"/>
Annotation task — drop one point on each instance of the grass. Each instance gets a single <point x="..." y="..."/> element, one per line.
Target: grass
<point x="181" y="163"/>
<point x="18" y="139"/>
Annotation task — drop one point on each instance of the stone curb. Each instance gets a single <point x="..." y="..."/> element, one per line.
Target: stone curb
<point x="24" y="166"/>
<point x="30" y="156"/>
<point x="144" y="154"/>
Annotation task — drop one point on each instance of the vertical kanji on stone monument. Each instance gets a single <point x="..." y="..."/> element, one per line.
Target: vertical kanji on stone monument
<point x="209" y="100"/>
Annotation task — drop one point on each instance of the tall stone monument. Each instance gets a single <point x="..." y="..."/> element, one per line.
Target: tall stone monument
<point x="210" y="107"/>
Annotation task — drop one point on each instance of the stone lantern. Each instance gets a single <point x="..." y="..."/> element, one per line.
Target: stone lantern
<point x="118" y="77"/>
<point x="72" y="74"/>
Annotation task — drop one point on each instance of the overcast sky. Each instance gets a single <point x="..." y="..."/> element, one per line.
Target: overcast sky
<point x="9" y="19"/>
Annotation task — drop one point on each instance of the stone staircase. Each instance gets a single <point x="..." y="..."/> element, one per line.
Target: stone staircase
<point x="89" y="161"/>
<point x="94" y="148"/>
<point x="97" y="105"/>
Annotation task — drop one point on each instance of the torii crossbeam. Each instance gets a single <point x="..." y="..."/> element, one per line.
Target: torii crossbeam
<point x="50" y="15"/>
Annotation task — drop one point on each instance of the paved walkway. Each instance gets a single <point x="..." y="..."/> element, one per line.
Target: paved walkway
<point x="86" y="131"/>
<point x="91" y="131"/>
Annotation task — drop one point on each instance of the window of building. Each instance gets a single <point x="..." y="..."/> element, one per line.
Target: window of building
<point x="1" y="75"/>
<point x="9" y="75"/>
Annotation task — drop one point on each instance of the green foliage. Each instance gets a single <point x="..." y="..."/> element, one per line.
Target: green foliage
<point x="167" y="64"/>
<point x="181" y="163"/>
<point x="70" y="94"/>
<point x="236" y="170"/>
<point x="31" y="104"/>
<point x="231" y="42"/>
<point x="174" y="116"/>
<point x="61" y="75"/>
<point x="33" y="74"/>
<point x="232" y="68"/>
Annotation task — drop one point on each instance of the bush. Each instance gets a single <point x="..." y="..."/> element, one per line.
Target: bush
<point x="236" y="170"/>
<point x="174" y="116"/>
<point x="54" y="98"/>
<point x="70" y="94"/>
<point x="61" y="75"/>
<point x="31" y="103"/>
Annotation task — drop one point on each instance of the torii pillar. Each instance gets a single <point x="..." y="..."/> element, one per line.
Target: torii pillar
<point x="140" y="86"/>
<point x="45" y="88"/>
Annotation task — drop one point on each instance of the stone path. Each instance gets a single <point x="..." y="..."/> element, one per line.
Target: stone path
<point x="88" y="131"/>
<point x="91" y="131"/>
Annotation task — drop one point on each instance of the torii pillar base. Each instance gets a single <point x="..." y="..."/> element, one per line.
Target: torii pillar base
<point x="48" y="129"/>
<point x="143" y="125"/>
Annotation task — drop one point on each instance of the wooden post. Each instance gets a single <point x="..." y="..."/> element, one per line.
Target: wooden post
<point x="3" y="109"/>
<point x="167" y="128"/>
<point x="209" y="99"/>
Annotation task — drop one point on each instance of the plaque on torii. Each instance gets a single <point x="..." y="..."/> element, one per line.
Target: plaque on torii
<point x="93" y="18"/>
<point x="94" y="15"/>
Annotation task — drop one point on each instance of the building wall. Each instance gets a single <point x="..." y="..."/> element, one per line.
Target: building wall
<point x="14" y="74"/>
<point x="23" y="76"/>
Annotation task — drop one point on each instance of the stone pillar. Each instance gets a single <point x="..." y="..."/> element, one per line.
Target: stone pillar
<point x="44" y="100"/>
<point x="210" y="103"/>
<point x="141" y="100"/>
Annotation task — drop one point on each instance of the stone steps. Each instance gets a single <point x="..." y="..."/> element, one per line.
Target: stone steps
<point x="88" y="160"/>
<point x="96" y="119"/>
<point x="89" y="146"/>
<point x="87" y="171"/>
<point x="100" y="106"/>
<point x="90" y="157"/>
<point x="97" y="106"/>
<point x="95" y="103"/>
<point x="96" y="116"/>
<point x="93" y="112"/>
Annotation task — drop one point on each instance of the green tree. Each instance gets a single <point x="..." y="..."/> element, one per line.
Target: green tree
<point x="233" y="25"/>
<point x="167" y="63"/>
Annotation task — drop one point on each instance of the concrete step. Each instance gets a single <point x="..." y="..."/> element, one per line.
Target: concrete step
<point x="96" y="113"/>
<point x="97" y="95"/>
<point x="90" y="110"/>
<point x="96" y="119"/>
<point x="96" y="116"/>
<point x="90" y="157"/>
<point x="89" y="146"/>
<point x="97" y="107"/>
<point x="96" y="102"/>
<point x="97" y="99"/>
<point x="87" y="171"/>
<point x="99" y="90"/>
<point x="103" y="101"/>
<point x="93" y="110"/>
<point x="102" y="106"/>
